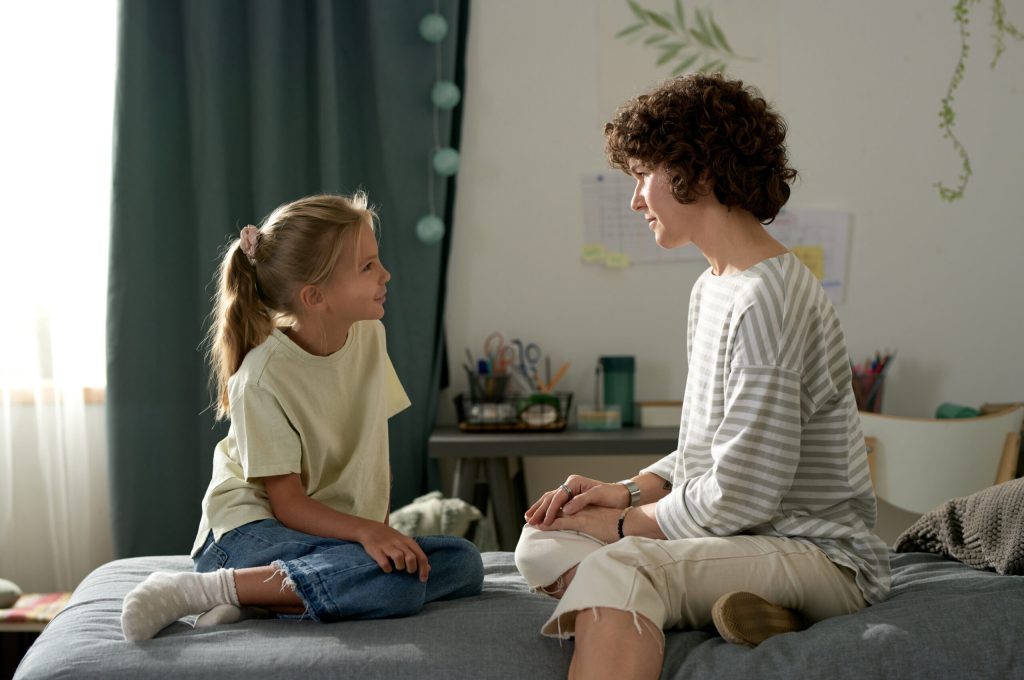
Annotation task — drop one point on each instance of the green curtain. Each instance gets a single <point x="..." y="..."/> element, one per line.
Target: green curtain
<point x="224" y="110"/>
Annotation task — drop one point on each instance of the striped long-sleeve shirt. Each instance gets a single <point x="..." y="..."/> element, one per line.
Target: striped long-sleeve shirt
<point x="770" y="441"/>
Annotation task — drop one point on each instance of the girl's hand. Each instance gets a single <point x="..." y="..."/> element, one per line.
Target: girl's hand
<point x="389" y="547"/>
<point x="386" y="546"/>
<point x="582" y="491"/>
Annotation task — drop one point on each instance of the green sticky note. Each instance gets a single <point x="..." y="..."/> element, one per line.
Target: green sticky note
<point x="594" y="252"/>
<point x="616" y="261"/>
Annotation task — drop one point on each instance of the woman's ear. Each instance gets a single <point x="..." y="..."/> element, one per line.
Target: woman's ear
<point x="705" y="184"/>
<point x="310" y="297"/>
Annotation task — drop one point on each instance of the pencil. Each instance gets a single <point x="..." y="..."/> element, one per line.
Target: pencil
<point x="558" y="376"/>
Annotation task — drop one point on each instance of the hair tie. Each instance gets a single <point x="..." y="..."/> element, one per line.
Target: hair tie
<point x="247" y="242"/>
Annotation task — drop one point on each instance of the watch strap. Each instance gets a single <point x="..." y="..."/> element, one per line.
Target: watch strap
<point x="634" y="491"/>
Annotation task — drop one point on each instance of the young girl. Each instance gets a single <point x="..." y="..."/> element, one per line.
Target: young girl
<point x="295" y="517"/>
<point x="761" y="520"/>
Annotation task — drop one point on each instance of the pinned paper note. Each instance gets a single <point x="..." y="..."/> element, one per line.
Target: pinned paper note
<point x="819" y="238"/>
<point x="813" y="258"/>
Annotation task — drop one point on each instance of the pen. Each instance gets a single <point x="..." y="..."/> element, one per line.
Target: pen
<point x="558" y="376"/>
<point x="474" y="379"/>
<point x="877" y="386"/>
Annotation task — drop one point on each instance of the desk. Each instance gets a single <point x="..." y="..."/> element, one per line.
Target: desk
<point x="21" y="624"/>
<point x="489" y="452"/>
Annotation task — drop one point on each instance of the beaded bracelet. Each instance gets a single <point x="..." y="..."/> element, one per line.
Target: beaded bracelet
<point x="622" y="520"/>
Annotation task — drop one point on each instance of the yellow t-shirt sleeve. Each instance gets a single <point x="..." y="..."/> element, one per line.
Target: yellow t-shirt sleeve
<point x="267" y="443"/>
<point x="397" y="399"/>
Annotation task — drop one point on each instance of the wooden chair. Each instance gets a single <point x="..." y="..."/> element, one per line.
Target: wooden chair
<point x="919" y="463"/>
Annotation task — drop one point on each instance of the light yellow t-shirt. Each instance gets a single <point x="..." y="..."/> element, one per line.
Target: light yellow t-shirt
<point x="325" y="418"/>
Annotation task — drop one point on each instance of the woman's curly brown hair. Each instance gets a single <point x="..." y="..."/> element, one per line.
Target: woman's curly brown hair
<point x="704" y="126"/>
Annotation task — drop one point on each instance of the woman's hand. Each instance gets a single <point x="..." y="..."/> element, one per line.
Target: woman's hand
<point x="546" y="508"/>
<point x="387" y="546"/>
<point x="575" y="494"/>
<point x="600" y="522"/>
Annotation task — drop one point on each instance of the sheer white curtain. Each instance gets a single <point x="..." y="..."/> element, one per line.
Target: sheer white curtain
<point x="57" y="73"/>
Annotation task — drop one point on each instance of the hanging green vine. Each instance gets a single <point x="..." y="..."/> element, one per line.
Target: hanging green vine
<point x="1003" y="28"/>
<point x="698" y="42"/>
<point x="947" y="117"/>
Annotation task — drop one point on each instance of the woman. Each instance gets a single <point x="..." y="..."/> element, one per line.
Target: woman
<point x="761" y="520"/>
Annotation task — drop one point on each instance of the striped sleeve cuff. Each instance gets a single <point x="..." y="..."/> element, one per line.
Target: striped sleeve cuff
<point x="664" y="468"/>
<point x="674" y="517"/>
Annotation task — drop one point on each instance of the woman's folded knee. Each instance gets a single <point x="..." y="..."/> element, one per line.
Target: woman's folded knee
<point x="528" y="559"/>
<point x="620" y="578"/>
<point x="543" y="556"/>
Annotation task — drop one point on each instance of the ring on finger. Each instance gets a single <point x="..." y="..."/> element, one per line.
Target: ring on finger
<point x="567" y="490"/>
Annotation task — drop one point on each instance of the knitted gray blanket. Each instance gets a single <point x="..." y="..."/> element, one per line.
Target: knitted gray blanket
<point x="984" y="530"/>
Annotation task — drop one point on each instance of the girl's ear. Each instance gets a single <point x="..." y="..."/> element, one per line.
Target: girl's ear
<point x="310" y="296"/>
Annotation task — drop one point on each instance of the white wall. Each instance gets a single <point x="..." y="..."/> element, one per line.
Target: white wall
<point x="860" y="85"/>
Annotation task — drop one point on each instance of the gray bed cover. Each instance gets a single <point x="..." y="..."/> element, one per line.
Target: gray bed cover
<point x="943" y="620"/>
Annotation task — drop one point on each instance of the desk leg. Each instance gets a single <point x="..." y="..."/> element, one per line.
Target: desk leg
<point x="502" y="490"/>
<point x="467" y="470"/>
<point x="522" y="503"/>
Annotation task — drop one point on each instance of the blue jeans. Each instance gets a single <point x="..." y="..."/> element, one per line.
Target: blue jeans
<point x="338" y="580"/>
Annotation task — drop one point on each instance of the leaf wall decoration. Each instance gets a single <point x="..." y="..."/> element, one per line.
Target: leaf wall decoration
<point x="698" y="43"/>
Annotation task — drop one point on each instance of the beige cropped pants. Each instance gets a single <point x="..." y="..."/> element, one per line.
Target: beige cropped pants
<point x="675" y="583"/>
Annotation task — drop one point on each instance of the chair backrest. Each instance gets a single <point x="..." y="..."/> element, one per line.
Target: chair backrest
<point x="919" y="463"/>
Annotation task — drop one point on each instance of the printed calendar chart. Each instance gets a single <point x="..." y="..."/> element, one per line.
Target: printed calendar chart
<point x="616" y="236"/>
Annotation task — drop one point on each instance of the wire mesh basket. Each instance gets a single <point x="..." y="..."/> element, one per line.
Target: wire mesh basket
<point x="538" y="412"/>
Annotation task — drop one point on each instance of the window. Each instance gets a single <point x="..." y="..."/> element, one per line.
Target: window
<point x="57" y="72"/>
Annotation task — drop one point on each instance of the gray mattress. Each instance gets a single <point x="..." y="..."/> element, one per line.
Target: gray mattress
<point x="943" y="620"/>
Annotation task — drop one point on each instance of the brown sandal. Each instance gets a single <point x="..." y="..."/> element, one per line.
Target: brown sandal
<point x="748" y="619"/>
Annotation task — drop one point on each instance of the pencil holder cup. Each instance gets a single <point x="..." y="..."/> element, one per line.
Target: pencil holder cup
<point x="489" y="388"/>
<point x="868" y="389"/>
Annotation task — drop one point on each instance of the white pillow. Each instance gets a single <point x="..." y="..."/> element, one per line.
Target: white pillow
<point x="9" y="593"/>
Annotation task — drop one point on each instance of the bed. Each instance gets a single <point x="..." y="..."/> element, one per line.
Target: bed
<point x="943" y="620"/>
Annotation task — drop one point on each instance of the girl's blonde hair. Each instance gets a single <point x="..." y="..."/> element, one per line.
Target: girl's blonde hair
<point x="297" y="245"/>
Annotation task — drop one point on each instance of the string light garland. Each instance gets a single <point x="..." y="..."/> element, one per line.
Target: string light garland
<point x="445" y="95"/>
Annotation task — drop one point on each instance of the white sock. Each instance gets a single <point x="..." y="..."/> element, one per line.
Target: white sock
<point x="229" y="613"/>
<point x="165" y="597"/>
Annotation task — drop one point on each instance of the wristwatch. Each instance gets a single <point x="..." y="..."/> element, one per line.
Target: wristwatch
<point x="634" y="491"/>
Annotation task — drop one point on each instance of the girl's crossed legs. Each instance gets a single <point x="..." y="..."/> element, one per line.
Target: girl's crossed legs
<point x="296" y="575"/>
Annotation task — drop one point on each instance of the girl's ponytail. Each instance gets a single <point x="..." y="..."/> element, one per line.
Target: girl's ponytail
<point x="241" y="319"/>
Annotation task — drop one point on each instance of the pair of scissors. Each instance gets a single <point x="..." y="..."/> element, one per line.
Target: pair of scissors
<point x="498" y="353"/>
<point x="529" y="358"/>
